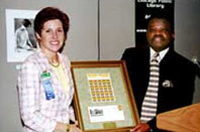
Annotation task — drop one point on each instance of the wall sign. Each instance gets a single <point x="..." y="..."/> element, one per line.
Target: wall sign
<point x="145" y="9"/>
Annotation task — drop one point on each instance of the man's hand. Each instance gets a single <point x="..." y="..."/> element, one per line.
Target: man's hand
<point x="142" y="127"/>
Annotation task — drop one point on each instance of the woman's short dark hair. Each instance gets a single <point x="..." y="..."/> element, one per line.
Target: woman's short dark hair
<point x="50" y="13"/>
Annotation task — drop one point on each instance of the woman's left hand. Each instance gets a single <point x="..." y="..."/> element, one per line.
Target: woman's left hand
<point x="74" y="128"/>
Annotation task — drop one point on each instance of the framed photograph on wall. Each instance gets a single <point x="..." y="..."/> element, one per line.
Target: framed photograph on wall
<point x="21" y="41"/>
<point x="104" y="100"/>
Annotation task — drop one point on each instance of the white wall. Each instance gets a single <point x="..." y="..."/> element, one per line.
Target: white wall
<point x="116" y="27"/>
<point x="187" y="33"/>
<point x="116" y="34"/>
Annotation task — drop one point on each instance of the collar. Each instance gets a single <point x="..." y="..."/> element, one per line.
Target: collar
<point x="161" y="54"/>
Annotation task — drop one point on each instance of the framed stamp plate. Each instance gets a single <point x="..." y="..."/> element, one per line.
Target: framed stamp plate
<point x="103" y="100"/>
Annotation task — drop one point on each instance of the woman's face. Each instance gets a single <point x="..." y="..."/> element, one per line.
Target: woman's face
<point x="52" y="36"/>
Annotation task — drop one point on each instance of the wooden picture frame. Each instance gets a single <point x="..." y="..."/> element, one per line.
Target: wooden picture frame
<point x="103" y="100"/>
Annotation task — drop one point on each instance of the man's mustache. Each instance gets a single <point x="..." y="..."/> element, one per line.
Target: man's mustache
<point x="160" y="36"/>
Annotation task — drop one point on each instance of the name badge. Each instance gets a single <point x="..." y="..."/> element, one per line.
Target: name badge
<point x="46" y="82"/>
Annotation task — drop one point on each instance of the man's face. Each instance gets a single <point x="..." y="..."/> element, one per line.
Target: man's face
<point x="159" y="34"/>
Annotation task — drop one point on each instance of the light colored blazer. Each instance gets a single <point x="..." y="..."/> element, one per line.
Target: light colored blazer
<point x="38" y="113"/>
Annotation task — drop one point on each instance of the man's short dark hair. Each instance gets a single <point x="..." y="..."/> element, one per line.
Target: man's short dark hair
<point x="26" y="22"/>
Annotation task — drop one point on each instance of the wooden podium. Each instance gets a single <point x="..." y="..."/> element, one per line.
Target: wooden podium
<point x="185" y="119"/>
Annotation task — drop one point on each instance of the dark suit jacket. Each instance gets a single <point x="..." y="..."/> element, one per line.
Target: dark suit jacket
<point x="174" y="68"/>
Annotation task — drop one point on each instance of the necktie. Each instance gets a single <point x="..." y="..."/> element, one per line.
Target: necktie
<point x="149" y="106"/>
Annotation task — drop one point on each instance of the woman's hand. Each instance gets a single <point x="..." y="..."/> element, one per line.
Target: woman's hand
<point x="74" y="128"/>
<point x="61" y="127"/>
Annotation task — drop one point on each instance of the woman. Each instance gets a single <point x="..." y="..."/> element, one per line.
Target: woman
<point x="45" y="83"/>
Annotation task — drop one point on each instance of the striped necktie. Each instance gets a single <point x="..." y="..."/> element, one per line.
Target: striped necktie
<point x="149" y="106"/>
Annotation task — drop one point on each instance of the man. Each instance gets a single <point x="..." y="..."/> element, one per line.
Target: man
<point x="175" y="75"/>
